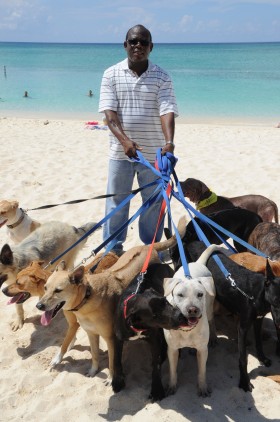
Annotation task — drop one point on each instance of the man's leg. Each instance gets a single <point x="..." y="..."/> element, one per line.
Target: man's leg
<point x="149" y="218"/>
<point x="120" y="180"/>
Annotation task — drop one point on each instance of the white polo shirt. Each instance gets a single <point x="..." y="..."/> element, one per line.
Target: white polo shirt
<point x="139" y="103"/>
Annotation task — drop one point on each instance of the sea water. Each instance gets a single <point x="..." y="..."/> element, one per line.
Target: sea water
<point x="235" y="81"/>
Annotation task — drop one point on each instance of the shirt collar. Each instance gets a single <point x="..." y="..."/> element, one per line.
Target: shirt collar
<point x="124" y="65"/>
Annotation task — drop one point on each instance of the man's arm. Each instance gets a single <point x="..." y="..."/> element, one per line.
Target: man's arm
<point x="130" y="147"/>
<point x="168" y="129"/>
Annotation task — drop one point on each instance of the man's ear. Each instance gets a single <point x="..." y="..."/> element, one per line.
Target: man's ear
<point x="125" y="44"/>
<point x="151" y="46"/>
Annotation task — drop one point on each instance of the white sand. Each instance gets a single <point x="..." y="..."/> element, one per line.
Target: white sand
<point x="62" y="161"/>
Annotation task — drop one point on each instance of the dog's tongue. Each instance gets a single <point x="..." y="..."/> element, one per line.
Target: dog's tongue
<point x="15" y="299"/>
<point x="46" y="317"/>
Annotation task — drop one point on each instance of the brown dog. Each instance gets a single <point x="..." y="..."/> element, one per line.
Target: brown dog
<point x="255" y="263"/>
<point x="266" y="238"/>
<point x="208" y="202"/>
<point x="31" y="282"/>
<point x="92" y="297"/>
<point x="18" y="223"/>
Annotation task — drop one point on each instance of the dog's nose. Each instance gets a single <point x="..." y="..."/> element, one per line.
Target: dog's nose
<point x="193" y="310"/>
<point x="40" y="306"/>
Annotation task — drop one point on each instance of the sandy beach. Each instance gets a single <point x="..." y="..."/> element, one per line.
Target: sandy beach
<point x="62" y="161"/>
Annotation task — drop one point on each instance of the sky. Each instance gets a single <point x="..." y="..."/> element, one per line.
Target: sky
<point x="107" y="21"/>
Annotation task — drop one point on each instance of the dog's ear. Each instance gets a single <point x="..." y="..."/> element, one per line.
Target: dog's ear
<point x="6" y="255"/>
<point x="269" y="276"/>
<point x="14" y="204"/>
<point x="209" y="286"/>
<point x="77" y="276"/>
<point x="169" y="284"/>
<point x="61" y="266"/>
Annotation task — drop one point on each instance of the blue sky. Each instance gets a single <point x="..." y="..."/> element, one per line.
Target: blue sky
<point x="169" y="20"/>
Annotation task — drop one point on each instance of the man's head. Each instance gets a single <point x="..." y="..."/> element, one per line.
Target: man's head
<point x="138" y="44"/>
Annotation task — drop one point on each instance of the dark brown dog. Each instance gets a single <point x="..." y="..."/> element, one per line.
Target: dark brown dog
<point x="208" y="202"/>
<point x="266" y="238"/>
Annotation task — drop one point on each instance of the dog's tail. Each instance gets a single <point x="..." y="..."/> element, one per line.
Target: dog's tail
<point x="85" y="228"/>
<point x="208" y="252"/>
<point x="172" y="241"/>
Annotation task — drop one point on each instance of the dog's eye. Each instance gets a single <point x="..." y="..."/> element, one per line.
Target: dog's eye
<point x="199" y="294"/>
<point x="180" y="295"/>
<point x="57" y="291"/>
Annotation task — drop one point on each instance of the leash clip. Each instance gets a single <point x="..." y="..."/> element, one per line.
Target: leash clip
<point x="232" y="282"/>
<point x="140" y="279"/>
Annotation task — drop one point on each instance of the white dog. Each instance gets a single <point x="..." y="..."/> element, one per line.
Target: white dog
<point x="194" y="297"/>
<point x="19" y="225"/>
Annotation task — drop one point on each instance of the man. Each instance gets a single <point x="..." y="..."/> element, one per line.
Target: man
<point x="138" y="100"/>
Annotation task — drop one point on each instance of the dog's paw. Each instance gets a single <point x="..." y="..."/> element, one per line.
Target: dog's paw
<point x="108" y="382"/>
<point x="17" y="324"/>
<point x="171" y="389"/>
<point x="118" y="383"/>
<point x="266" y="361"/>
<point x="157" y="395"/>
<point x="246" y="386"/>
<point x="56" y="360"/>
<point x="92" y="372"/>
<point x="204" y="391"/>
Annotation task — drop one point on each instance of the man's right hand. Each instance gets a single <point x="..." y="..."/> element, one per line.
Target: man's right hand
<point x="130" y="148"/>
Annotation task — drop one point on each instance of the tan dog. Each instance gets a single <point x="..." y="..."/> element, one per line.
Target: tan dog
<point x="18" y="223"/>
<point x="207" y="202"/>
<point x="255" y="263"/>
<point x="31" y="282"/>
<point x="92" y="298"/>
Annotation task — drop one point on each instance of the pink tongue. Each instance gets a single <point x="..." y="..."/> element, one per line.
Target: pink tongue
<point x="46" y="317"/>
<point x="14" y="299"/>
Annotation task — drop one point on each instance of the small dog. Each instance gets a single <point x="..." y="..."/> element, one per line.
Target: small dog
<point x="266" y="238"/>
<point x="208" y="202"/>
<point x="45" y="243"/>
<point x="18" y="223"/>
<point x="262" y="296"/>
<point x="92" y="297"/>
<point x="143" y="315"/>
<point x="194" y="298"/>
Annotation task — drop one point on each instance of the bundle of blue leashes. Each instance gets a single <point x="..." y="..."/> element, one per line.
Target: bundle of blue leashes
<point x="165" y="174"/>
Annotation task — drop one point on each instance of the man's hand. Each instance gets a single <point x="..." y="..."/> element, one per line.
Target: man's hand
<point x="130" y="148"/>
<point x="168" y="148"/>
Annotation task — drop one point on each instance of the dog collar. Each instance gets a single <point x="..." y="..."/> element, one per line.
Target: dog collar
<point x="17" y="223"/>
<point x="136" y="330"/>
<point x="87" y="295"/>
<point x="208" y="201"/>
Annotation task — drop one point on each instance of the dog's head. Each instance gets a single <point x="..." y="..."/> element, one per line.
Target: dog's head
<point x="151" y="310"/>
<point x="62" y="289"/>
<point x="193" y="189"/>
<point x="29" y="282"/>
<point x="7" y="211"/>
<point x="189" y="295"/>
<point x="272" y="294"/>
<point x="8" y="268"/>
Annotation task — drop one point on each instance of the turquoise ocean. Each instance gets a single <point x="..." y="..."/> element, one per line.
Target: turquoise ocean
<point x="211" y="81"/>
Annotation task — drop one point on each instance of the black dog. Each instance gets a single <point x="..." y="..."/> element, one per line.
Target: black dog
<point x="238" y="221"/>
<point x="145" y="315"/>
<point x="265" y="293"/>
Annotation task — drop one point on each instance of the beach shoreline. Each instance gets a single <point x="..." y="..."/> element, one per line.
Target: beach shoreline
<point x="52" y="161"/>
<point x="200" y="120"/>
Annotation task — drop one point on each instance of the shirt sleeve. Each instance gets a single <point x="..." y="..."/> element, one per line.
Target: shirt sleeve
<point x="108" y="99"/>
<point x="166" y="97"/>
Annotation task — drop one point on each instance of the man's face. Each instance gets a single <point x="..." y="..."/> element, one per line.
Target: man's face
<point x="138" y="45"/>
